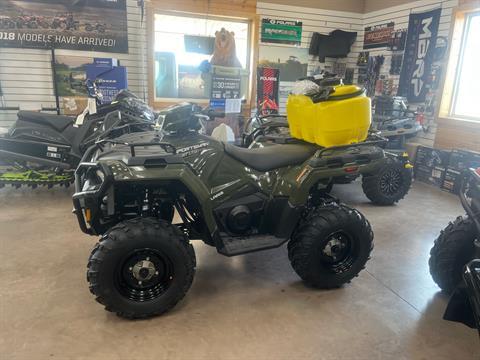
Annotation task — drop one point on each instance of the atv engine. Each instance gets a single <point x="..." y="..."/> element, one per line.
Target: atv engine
<point x="243" y="215"/>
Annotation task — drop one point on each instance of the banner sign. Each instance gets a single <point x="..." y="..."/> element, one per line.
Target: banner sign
<point x="419" y="54"/>
<point x="378" y="35"/>
<point x="92" y="25"/>
<point x="226" y="87"/>
<point x="109" y="77"/>
<point x="281" y="31"/>
<point x="267" y="90"/>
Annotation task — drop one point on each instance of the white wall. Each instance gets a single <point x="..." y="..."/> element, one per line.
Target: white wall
<point x="26" y="76"/>
<point x="399" y="14"/>
<point x="324" y="21"/>
<point x="315" y="20"/>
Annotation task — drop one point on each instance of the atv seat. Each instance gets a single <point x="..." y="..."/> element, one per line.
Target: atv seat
<point x="272" y="157"/>
<point x="58" y="122"/>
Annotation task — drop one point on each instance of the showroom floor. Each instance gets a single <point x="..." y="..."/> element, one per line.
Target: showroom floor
<point x="248" y="307"/>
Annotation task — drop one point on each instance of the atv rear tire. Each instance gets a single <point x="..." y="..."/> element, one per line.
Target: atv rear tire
<point x="331" y="246"/>
<point x="389" y="185"/>
<point x="452" y="250"/>
<point x="141" y="268"/>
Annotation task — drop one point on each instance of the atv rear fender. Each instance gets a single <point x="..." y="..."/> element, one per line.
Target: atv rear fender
<point x="325" y="165"/>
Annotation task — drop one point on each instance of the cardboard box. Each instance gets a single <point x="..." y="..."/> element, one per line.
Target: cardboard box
<point x="452" y="181"/>
<point x="432" y="157"/>
<point x="430" y="175"/>
<point x="463" y="159"/>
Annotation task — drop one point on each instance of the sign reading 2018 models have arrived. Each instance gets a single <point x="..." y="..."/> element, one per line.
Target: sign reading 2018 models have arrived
<point x="94" y="25"/>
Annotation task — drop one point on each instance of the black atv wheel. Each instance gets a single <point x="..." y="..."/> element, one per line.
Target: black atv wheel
<point x="452" y="250"/>
<point x="389" y="185"/>
<point x="141" y="268"/>
<point x="331" y="246"/>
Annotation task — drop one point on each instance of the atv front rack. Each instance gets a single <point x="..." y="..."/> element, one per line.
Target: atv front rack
<point x="169" y="148"/>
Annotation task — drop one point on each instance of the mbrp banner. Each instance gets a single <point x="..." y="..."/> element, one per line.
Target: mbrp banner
<point x="93" y="25"/>
<point x="268" y="80"/>
<point x="419" y="53"/>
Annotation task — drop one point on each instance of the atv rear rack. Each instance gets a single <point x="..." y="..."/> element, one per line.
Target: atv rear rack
<point x="375" y="139"/>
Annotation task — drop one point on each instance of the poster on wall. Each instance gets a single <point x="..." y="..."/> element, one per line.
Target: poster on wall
<point x="225" y="87"/>
<point x="92" y="25"/>
<point x="419" y="55"/>
<point x="70" y="77"/>
<point x="292" y="63"/>
<point x="281" y="31"/>
<point x="109" y="77"/>
<point x="267" y="91"/>
<point x="378" y="35"/>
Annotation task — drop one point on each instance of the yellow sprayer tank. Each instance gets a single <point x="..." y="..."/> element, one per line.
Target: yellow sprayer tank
<point x="341" y="120"/>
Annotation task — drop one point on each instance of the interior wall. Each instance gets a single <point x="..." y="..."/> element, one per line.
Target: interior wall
<point x="314" y="20"/>
<point x="375" y="5"/>
<point x="337" y="5"/>
<point x="26" y="75"/>
<point x="400" y="14"/>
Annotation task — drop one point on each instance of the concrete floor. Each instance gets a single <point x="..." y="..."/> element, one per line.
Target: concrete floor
<point x="248" y="307"/>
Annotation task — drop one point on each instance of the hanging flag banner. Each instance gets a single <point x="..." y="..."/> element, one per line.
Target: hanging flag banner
<point x="267" y="90"/>
<point x="281" y="31"/>
<point x="93" y="25"/>
<point x="378" y="35"/>
<point x="419" y="54"/>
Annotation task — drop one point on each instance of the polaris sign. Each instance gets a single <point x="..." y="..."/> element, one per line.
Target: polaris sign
<point x="419" y="53"/>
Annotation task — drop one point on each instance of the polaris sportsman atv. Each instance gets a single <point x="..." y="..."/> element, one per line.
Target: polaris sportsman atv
<point x="235" y="199"/>
<point x="455" y="257"/>
<point x="45" y="149"/>
<point x="387" y="185"/>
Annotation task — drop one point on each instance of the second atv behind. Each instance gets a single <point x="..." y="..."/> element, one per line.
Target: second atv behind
<point x="348" y="121"/>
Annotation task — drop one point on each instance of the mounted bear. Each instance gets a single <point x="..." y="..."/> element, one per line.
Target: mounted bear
<point x="225" y="52"/>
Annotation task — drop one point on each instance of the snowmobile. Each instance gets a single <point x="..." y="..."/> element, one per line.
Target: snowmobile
<point x="455" y="257"/>
<point x="45" y="149"/>
<point x="98" y="27"/>
<point x="235" y="199"/>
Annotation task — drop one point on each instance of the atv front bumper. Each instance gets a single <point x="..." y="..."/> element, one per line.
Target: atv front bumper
<point x="87" y="203"/>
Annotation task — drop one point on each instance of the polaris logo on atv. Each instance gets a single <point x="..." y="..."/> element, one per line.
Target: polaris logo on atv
<point x="422" y="49"/>
<point x="190" y="150"/>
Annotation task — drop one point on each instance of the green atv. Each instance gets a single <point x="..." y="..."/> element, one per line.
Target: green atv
<point x="235" y="199"/>
<point x="386" y="185"/>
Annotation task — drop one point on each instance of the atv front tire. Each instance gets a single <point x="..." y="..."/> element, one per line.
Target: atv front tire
<point x="452" y="250"/>
<point x="389" y="185"/>
<point x="330" y="246"/>
<point x="141" y="268"/>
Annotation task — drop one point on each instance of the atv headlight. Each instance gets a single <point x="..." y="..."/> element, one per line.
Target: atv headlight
<point x="93" y="179"/>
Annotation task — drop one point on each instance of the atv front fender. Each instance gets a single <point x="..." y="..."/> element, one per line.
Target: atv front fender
<point x="162" y="176"/>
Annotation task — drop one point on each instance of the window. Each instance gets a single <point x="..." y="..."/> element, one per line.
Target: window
<point x="464" y="103"/>
<point x="183" y="48"/>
